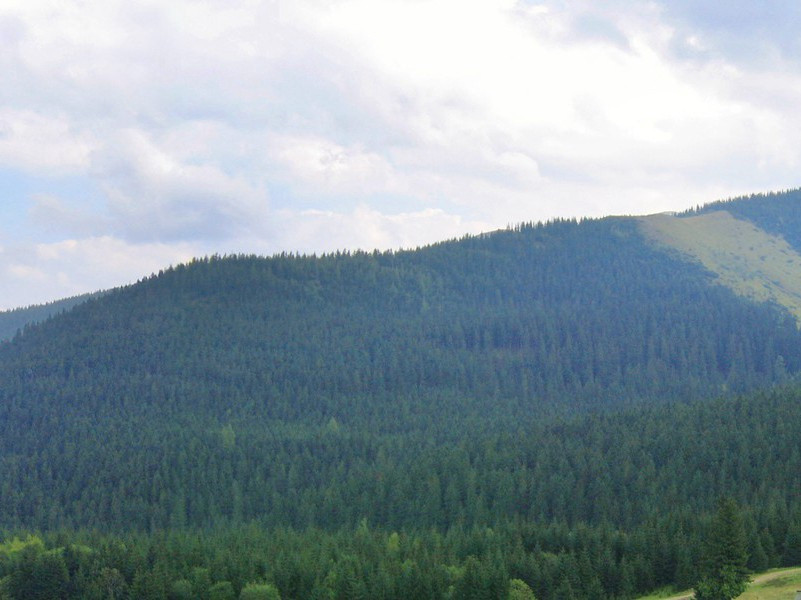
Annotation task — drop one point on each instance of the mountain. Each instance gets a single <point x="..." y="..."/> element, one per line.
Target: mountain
<point x="554" y="382"/>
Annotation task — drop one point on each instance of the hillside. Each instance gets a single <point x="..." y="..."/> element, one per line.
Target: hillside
<point x="12" y="321"/>
<point x="746" y="259"/>
<point x="776" y="213"/>
<point x="541" y="399"/>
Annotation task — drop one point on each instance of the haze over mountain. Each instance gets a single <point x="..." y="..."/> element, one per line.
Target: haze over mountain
<point x="543" y="380"/>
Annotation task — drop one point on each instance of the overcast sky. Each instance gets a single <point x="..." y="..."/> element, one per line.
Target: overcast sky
<point x="135" y="135"/>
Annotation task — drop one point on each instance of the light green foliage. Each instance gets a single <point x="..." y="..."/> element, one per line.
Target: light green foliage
<point x="200" y="578"/>
<point x="222" y="590"/>
<point x="393" y="544"/>
<point x="727" y="584"/>
<point x="519" y="590"/>
<point x="10" y="550"/>
<point x="333" y="426"/>
<point x="228" y="436"/>
<point x="148" y="585"/>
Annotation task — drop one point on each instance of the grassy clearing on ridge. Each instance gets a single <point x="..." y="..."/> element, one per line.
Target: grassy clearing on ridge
<point x="746" y="259"/>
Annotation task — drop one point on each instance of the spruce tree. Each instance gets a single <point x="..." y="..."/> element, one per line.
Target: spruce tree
<point x="724" y="574"/>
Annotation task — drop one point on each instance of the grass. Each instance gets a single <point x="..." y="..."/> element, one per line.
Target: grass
<point x="746" y="259"/>
<point x="777" y="584"/>
<point x="664" y="593"/>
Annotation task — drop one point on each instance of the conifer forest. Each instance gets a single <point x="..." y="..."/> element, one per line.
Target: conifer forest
<point x="558" y="411"/>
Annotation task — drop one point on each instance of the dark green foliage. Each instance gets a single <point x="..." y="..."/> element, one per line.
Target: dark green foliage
<point x="259" y="591"/>
<point x="107" y="584"/>
<point x="302" y="391"/>
<point x="13" y="321"/>
<point x="181" y="590"/>
<point x="791" y="554"/>
<point x="38" y="575"/>
<point x="724" y="572"/>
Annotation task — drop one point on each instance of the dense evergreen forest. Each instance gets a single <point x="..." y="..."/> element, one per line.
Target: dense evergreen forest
<point x="555" y="406"/>
<point x="11" y="321"/>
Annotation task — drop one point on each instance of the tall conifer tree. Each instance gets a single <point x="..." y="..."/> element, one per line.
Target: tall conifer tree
<point x="724" y="572"/>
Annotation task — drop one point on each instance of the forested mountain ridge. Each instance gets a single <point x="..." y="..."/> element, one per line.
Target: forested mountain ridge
<point x="11" y="321"/>
<point x="562" y="314"/>
<point x="551" y="382"/>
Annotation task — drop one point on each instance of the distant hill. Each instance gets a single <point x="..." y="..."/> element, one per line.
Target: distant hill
<point x="11" y="321"/>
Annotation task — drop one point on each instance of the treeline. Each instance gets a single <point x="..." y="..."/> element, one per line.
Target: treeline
<point x="552" y="561"/>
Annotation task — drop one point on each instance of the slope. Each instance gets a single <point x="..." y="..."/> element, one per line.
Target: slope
<point x="11" y="321"/>
<point x="746" y="259"/>
<point x="777" y="213"/>
<point x="143" y="394"/>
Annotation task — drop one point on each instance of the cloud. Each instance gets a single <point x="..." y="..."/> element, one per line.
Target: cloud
<point x="55" y="215"/>
<point x="153" y="196"/>
<point x="41" y="273"/>
<point x="311" y="124"/>
<point x="315" y="231"/>
<point x="324" y="167"/>
<point x="39" y="143"/>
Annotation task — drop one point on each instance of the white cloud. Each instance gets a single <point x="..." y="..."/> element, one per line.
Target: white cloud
<point x="43" y="272"/>
<point x="153" y="196"/>
<point x="365" y="228"/>
<point x="56" y="216"/>
<point x="324" y="167"/>
<point x="38" y="143"/>
<point x="431" y="117"/>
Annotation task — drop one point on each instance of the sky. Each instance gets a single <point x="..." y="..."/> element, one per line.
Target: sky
<point x="135" y="135"/>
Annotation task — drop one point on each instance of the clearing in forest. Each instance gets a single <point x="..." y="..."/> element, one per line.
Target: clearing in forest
<point x="746" y="259"/>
